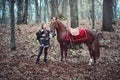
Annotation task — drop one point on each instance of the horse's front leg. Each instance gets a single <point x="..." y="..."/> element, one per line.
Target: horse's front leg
<point x="61" y="48"/>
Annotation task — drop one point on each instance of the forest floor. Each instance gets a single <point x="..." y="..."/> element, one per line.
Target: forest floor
<point x="20" y="63"/>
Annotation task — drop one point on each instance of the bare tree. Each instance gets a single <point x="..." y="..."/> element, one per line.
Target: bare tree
<point x="19" y="12"/>
<point x="107" y="15"/>
<point x="54" y="8"/>
<point x="74" y="13"/>
<point x="45" y="10"/>
<point x="40" y="11"/>
<point x="3" y="11"/>
<point x="37" y="13"/>
<point x="64" y="9"/>
<point x="115" y="3"/>
<point x="25" y="12"/>
<point x="12" y="29"/>
<point x="92" y="15"/>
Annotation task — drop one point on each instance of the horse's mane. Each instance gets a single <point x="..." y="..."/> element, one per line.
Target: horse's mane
<point x="61" y="24"/>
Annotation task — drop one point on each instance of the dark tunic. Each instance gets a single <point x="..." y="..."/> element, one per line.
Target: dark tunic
<point x="43" y="36"/>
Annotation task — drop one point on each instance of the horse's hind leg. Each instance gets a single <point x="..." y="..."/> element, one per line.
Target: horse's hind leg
<point x="65" y="54"/>
<point x="92" y="54"/>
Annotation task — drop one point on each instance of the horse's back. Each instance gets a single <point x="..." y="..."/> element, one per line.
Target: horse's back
<point x="84" y="35"/>
<point x="73" y="31"/>
<point x="91" y="34"/>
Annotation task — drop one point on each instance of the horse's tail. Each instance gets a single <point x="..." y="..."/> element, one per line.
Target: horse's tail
<point x="96" y="47"/>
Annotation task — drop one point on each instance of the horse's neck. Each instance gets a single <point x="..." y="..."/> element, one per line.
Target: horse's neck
<point x="61" y="30"/>
<point x="61" y="26"/>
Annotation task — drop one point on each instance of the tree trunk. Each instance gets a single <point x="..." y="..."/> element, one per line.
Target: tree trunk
<point x="3" y="11"/>
<point x="64" y="9"/>
<point x="37" y="15"/>
<point x="25" y="16"/>
<point x="115" y="3"/>
<point x="47" y="13"/>
<point x="107" y="15"/>
<point x="40" y="11"/>
<point x="93" y="21"/>
<point x="19" y="12"/>
<point x="74" y="13"/>
<point x="45" y="10"/>
<point x="12" y="40"/>
<point x="54" y="8"/>
<point x="81" y="12"/>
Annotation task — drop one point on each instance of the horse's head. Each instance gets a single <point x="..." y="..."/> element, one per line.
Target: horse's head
<point x="53" y="26"/>
<point x="58" y="26"/>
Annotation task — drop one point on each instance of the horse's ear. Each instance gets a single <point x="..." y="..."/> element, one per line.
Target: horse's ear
<point x="54" y="18"/>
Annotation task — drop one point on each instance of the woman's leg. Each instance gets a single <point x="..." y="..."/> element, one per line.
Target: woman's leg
<point x="39" y="54"/>
<point x="45" y="54"/>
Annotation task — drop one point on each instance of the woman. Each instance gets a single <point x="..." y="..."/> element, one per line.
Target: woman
<point x="43" y="36"/>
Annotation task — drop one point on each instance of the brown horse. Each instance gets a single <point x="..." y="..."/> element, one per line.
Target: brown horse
<point x="85" y="36"/>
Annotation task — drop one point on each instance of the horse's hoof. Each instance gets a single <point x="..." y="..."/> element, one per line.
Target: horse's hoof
<point x="89" y="64"/>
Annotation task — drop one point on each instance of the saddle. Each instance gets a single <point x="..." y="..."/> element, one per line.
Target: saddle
<point x="73" y="32"/>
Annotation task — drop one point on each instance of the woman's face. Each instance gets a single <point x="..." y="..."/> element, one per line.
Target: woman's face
<point x="44" y="26"/>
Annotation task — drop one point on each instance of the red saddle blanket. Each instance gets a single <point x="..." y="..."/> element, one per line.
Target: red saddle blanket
<point x="79" y="38"/>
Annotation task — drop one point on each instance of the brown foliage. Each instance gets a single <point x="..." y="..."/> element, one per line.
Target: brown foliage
<point x="20" y="64"/>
